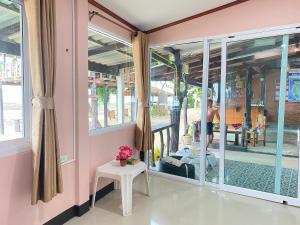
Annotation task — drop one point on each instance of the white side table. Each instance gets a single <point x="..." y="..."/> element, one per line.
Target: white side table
<point x="125" y="176"/>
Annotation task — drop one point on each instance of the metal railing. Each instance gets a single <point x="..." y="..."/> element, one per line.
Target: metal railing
<point x="160" y="128"/>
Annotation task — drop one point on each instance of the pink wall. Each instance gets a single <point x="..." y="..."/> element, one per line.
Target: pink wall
<point x="251" y="15"/>
<point x="91" y="151"/>
<point x="15" y="193"/>
<point x="104" y="148"/>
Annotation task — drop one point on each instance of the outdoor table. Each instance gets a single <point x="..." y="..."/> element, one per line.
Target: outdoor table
<point x="231" y="131"/>
<point x="236" y="135"/>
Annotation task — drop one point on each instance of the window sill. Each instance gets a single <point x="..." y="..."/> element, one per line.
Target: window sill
<point x="13" y="147"/>
<point x="110" y="129"/>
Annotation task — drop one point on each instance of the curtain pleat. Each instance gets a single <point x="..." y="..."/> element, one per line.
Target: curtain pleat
<point x="143" y="134"/>
<point x="47" y="175"/>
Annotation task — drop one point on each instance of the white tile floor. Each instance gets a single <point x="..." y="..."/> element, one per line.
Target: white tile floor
<point x="174" y="203"/>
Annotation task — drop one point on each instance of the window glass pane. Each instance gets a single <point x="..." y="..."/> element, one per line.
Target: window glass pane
<point x="11" y="77"/>
<point x="111" y="81"/>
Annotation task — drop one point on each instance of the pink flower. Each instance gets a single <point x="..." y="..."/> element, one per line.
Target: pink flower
<point x="125" y="152"/>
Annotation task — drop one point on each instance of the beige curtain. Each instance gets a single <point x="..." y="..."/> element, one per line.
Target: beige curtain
<point x="47" y="176"/>
<point x="143" y="135"/>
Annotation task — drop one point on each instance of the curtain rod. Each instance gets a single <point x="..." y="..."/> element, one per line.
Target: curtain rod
<point x="94" y="13"/>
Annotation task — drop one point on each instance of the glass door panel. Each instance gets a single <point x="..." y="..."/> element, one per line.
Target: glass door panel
<point x="251" y="113"/>
<point x="213" y="114"/>
<point x="175" y="108"/>
<point x="289" y="165"/>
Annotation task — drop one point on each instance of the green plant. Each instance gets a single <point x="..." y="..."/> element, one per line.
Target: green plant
<point x="190" y="130"/>
<point x="157" y="111"/>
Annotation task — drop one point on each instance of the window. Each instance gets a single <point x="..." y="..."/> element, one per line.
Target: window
<point x="111" y="81"/>
<point x="11" y="72"/>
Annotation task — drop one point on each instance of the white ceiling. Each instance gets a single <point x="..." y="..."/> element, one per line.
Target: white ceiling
<point x="149" y="14"/>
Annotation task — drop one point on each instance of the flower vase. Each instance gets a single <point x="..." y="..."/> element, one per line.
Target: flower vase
<point x="123" y="162"/>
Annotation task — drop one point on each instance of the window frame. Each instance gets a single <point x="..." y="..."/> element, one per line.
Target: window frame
<point x="106" y="129"/>
<point x="13" y="146"/>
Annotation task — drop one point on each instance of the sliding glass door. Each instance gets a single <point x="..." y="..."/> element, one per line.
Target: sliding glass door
<point x="262" y="114"/>
<point x="228" y="111"/>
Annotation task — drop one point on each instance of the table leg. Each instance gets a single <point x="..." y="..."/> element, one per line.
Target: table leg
<point x="147" y="182"/>
<point x="95" y="189"/>
<point x="236" y="139"/>
<point x="126" y="190"/>
<point x="116" y="185"/>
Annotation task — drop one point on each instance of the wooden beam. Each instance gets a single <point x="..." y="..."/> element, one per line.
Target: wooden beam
<point x="106" y="48"/>
<point x="9" y="30"/>
<point x="11" y="7"/>
<point x="10" y="48"/>
<point x="100" y="68"/>
<point x="104" y="44"/>
<point x="112" y="70"/>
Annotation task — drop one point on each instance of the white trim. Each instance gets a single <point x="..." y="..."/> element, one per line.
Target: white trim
<point x="113" y="128"/>
<point x="222" y="113"/>
<point x="261" y="195"/>
<point x="109" y="34"/>
<point x="281" y="111"/>
<point x="12" y="147"/>
<point x="26" y="83"/>
<point x="262" y="34"/>
<point x="212" y="185"/>
<point x="23" y="144"/>
<point x="204" y="111"/>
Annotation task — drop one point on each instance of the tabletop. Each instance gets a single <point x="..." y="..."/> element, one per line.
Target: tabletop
<point x="113" y="167"/>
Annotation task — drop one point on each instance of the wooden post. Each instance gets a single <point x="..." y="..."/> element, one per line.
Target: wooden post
<point x="185" y="107"/>
<point x="175" y="112"/>
<point x="168" y="141"/>
<point x="152" y="155"/>
<point x="162" y="145"/>
<point x="248" y="98"/>
<point x="263" y="86"/>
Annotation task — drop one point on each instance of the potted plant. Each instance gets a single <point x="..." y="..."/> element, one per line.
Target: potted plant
<point x="187" y="139"/>
<point x="124" y="154"/>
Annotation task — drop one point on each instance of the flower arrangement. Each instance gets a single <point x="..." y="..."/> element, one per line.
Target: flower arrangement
<point x="236" y="125"/>
<point x="125" y="152"/>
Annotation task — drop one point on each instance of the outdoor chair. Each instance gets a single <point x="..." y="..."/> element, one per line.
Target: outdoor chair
<point x="253" y="136"/>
